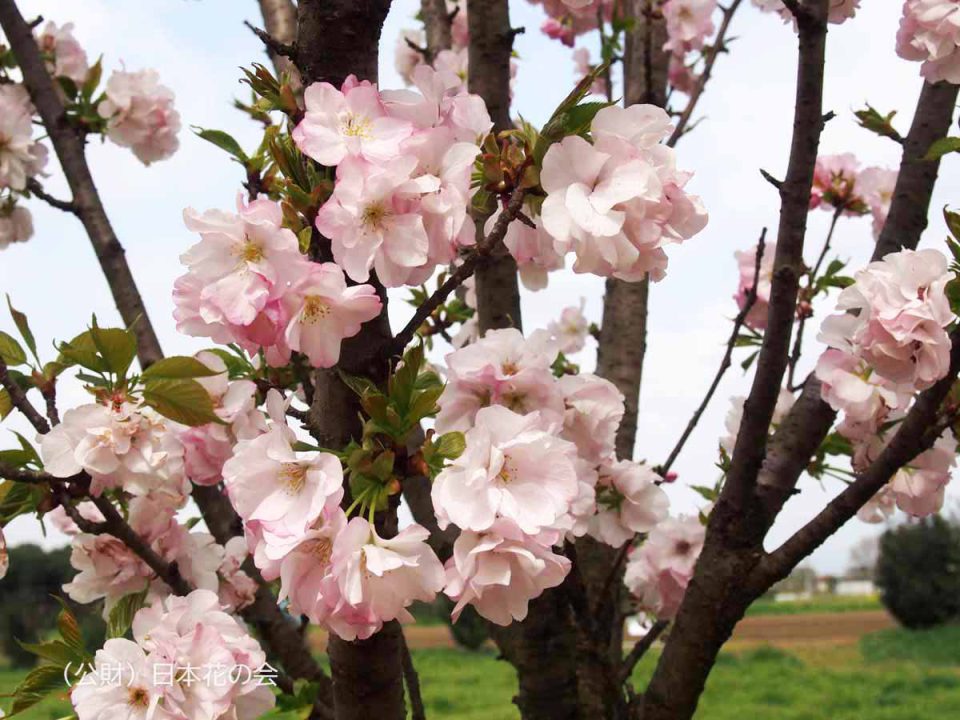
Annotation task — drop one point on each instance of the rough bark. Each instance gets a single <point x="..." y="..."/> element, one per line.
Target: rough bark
<point x="68" y="142"/>
<point x="717" y="597"/>
<point x="437" y="22"/>
<point x="491" y="45"/>
<point x="622" y="347"/>
<point x="337" y="38"/>
<point x="280" y="22"/>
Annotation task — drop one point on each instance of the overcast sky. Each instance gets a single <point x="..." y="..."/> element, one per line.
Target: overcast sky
<point x="198" y="45"/>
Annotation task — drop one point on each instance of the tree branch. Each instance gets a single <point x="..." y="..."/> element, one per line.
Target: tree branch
<point x="280" y="23"/>
<point x="641" y="648"/>
<point x="412" y="680"/>
<point x="36" y="188"/>
<point x="438" y="24"/>
<point x="68" y="144"/>
<point x="275" y="46"/>
<point x="701" y="84"/>
<point x="19" y="399"/>
<point x="738" y="323"/>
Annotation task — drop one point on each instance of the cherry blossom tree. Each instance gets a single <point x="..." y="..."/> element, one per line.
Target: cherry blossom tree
<point x="307" y="420"/>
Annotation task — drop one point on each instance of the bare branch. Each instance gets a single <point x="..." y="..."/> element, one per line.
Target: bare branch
<point x="69" y="146"/>
<point x="412" y="680"/>
<point x="275" y="46"/>
<point x="37" y="189"/>
<point x="33" y="477"/>
<point x="749" y="302"/>
<point x="19" y="399"/>
<point x="711" y="58"/>
<point x="640" y="649"/>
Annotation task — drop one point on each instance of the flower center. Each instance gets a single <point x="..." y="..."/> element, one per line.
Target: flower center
<point x="374" y="215"/>
<point x="356" y="126"/>
<point x="294" y="476"/>
<point x="320" y="548"/>
<point x="508" y="472"/>
<point x="251" y="251"/>
<point x="137" y="697"/>
<point x="315" y="309"/>
<point x="682" y="547"/>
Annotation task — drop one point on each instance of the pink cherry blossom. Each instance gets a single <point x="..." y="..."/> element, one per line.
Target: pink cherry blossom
<point x="659" y="571"/>
<point x="133" y="695"/>
<point x="305" y="570"/>
<point x="504" y="369"/>
<point x="835" y="179"/>
<point x="876" y="186"/>
<point x="838" y="10"/>
<point x="594" y="409"/>
<point x="348" y="122"/>
<point x="64" y="55"/>
<point x="286" y="492"/>
<point x="324" y="311"/>
<point x="513" y="469"/>
<point x="140" y="115"/>
<point x="571" y="330"/>
<point x="919" y="488"/>
<point x="568" y="19"/>
<point x="532" y="248"/>
<point x="747" y="263"/>
<point x="381" y="577"/>
<point x="901" y="315"/>
<point x="237" y="589"/>
<point x="16" y="225"/>
<point x="405" y="57"/>
<point x="878" y="508"/>
<point x="930" y="33"/>
<point x="20" y="156"/>
<point x="500" y="571"/>
<point x="629" y="501"/>
<point x="689" y="24"/>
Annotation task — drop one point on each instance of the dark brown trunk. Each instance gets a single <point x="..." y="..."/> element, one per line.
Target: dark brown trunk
<point x="491" y="45"/>
<point x="437" y="23"/>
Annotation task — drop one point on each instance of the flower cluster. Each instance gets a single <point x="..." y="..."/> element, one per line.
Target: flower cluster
<point x="839" y="184"/>
<point x="188" y="659"/>
<point x="756" y="317"/>
<point x="247" y="282"/>
<point x="539" y="465"/>
<point x="889" y="343"/>
<point x="403" y="164"/>
<point x="21" y="157"/>
<point x="570" y="330"/>
<point x="64" y="56"/>
<point x="930" y="33"/>
<point x="689" y="26"/>
<point x="618" y="201"/>
<point x="660" y="570"/>
<point x="140" y="115"/>
<point x="566" y="19"/>
<point x="338" y="573"/>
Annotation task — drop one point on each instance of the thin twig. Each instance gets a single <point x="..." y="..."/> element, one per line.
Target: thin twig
<point x="808" y="295"/>
<point x="19" y="399"/>
<point x="412" y="681"/>
<point x="738" y="323"/>
<point x="711" y="59"/>
<point x="32" y="477"/>
<point x="66" y="205"/>
<point x="275" y="46"/>
<point x="640" y="649"/>
<point x="458" y="276"/>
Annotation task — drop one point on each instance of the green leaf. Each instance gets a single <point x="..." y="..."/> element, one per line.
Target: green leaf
<point x="577" y="121"/>
<point x="40" y="682"/>
<point x="952" y="219"/>
<point x="749" y="361"/>
<point x="10" y="350"/>
<point x="55" y="651"/>
<point x="184" y="401"/>
<point x="451" y="445"/>
<point x="83" y="352"/>
<point x="17" y="499"/>
<point x="69" y="627"/>
<point x="20" y="320"/>
<point x="222" y="140"/>
<point x="942" y="147"/>
<point x="882" y="125"/>
<point x="707" y="493"/>
<point x="6" y="404"/>
<point x="121" y="616"/>
<point x="361" y="386"/>
<point x="117" y="347"/>
<point x="177" y="367"/>
<point x="92" y="80"/>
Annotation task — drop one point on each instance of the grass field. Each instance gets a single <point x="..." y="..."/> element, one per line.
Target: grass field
<point x="821" y="604"/>
<point x="891" y="675"/>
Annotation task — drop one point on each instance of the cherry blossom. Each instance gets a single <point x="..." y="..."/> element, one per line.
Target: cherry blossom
<point x="381" y="577"/>
<point x="568" y="19"/>
<point x="899" y="319"/>
<point x="594" y="409"/>
<point x="305" y="569"/>
<point x="629" y="501"/>
<point x="140" y="115"/>
<point x="930" y="33"/>
<point x="532" y="248"/>
<point x="324" y="311"/>
<point x="237" y="589"/>
<point x="838" y="10"/>
<point x="660" y="570"/>
<point x="876" y="186"/>
<point x="756" y="317"/>
<point x="64" y="55"/>
<point x="16" y="225"/>
<point x="835" y="184"/>
<point x="351" y="121"/>
<point x="134" y="695"/>
<point x="571" y="330"/>
<point x="512" y="468"/>
<point x="689" y="24"/>
<point x="499" y="571"/>
<point x="20" y="156"/>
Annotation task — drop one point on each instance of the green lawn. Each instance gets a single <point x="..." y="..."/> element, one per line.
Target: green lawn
<point x="893" y="675"/>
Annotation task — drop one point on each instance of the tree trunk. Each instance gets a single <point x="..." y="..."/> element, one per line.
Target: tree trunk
<point x="438" y="24"/>
<point x="280" y="22"/>
<point x="491" y="45"/>
<point x="337" y="38"/>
